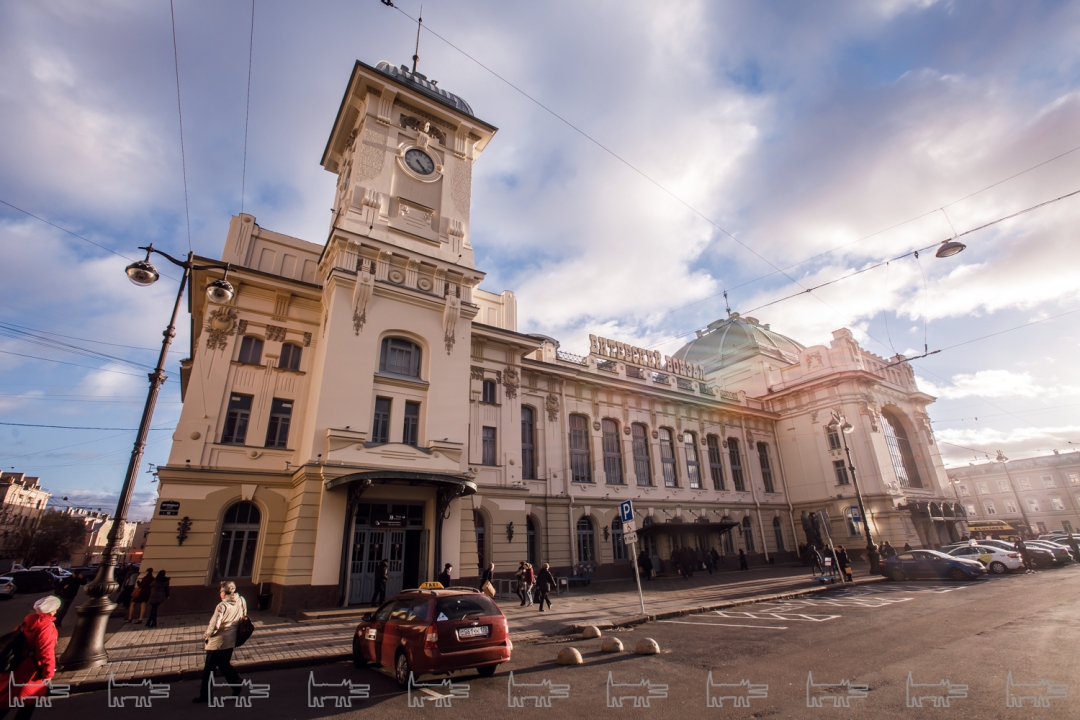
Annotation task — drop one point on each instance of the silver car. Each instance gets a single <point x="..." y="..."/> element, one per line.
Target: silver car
<point x="7" y="587"/>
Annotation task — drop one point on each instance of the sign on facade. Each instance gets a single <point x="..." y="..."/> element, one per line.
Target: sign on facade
<point x="629" y="537"/>
<point x="855" y="516"/>
<point x="169" y="507"/>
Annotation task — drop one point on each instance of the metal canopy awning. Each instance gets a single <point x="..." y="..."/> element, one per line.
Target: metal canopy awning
<point x="678" y="528"/>
<point x="461" y="485"/>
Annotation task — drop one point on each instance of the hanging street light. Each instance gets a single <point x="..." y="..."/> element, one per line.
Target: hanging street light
<point x="948" y="248"/>
<point x="86" y="648"/>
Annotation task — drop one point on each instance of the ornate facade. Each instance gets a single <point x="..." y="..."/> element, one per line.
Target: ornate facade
<point x="363" y="398"/>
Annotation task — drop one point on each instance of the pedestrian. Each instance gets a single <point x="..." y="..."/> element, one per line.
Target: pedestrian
<point x="1072" y="542"/>
<point x="519" y="577"/>
<point x="69" y="588"/>
<point x="1025" y="554"/>
<point x="129" y="578"/>
<point x="382" y="572"/>
<point x="159" y="593"/>
<point x="843" y="562"/>
<point x="907" y="547"/>
<point x="743" y="565"/>
<point x="444" y="576"/>
<point x="32" y="674"/>
<point x="140" y="596"/>
<point x="887" y="550"/>
<point x="530" y="582"/>
<point x="715" y="558"/>
<point x="816" y="561"/>
<point x="220" y="640"/>
<point x="488" y="576"/>
<point x="545" y="582"/>
<point x="644" y="563"/>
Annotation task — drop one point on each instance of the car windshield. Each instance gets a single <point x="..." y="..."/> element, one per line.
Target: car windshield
<point x="460" y="607"/>
<point x="5" y="578"/>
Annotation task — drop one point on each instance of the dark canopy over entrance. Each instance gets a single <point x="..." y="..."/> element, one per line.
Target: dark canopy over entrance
<point x="447" y="488"/>
<point x="680" y="528"/>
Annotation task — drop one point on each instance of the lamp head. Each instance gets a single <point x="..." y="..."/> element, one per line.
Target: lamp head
<point x="220" y="291"/>
<point x="949" y="248"/>
<point x="142" y="272"/>
<point x="1001" y="457"/>
<point x="847" y="427"/>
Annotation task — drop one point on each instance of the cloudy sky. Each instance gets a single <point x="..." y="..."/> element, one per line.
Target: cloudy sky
<point x="758" y="148"/>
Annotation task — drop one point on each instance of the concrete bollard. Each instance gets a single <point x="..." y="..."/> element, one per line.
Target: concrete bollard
<point x="591" y="632"/>
<point x="611" y="645"/>
<point x="569" y="656"/>
<point x="647" y="646"/>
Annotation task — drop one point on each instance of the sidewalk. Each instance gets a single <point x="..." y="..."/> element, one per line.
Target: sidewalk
<point x="174" y="650"/>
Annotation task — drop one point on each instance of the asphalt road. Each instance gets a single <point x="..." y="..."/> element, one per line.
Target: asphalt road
<point x="971" y="634"/>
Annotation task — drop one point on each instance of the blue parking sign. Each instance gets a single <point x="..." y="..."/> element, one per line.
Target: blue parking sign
<point x="626" y="511"/>
<point x="855" y="516"/>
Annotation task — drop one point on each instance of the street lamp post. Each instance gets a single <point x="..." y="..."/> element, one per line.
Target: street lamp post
<point x="87" y="646"/>
<point x="1020" y="503"/>
<point x="841" y="423"/>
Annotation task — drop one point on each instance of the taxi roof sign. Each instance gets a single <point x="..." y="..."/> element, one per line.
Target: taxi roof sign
<point x="431" y="586"/>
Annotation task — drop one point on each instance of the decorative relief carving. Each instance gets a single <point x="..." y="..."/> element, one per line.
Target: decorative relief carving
<point x="813" y="361"/>
<point x="451" y="312"/>
<point x="455" y="228"/>
<point x="275" y="333"/>
<point x="596" y="425"/>
<point x="396" y="276"/>
<point x="551" y="404"/>
<point x="476" y="373"/>
<point x="814" y="417"/>
<point x="461" y="187"/>
<point x="655" y="434"/>
<point x="423" y="127"/>
<point x="371" y="199"/>
<point x="365" y="286"/>
<point x="427" y="116"/>
<point x="511" y="382"/>
<point x="626" y="430"/>
<point x="372" y="152"/>
<point x="307" y="339"/>
<point x="241" y="327"/>
<point x="220" y="324"/>
<point x="424" y="284"/>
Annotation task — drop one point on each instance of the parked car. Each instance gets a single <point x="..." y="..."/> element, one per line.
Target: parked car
<point x="996" y="560"/>
<point x="1062" y="554"/>
<point x="27" y="581"/>
<point x="57" y="572"/>
<point x="7" y="587"/>
<point x="423" y="632"/>
<point x="1041" y="556"/>
<point x="931" y="564"/>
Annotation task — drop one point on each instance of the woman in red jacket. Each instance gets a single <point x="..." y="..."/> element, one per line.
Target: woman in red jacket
<point x="32" y="675"/>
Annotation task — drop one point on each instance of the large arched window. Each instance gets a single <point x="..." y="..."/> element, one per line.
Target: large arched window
<point x="480" y="532"/>
<point x="716" y="464"/>
<point x="618" y="547"/>
<point x="903" y="461"/>
<point x="532" y="542"/>
<point x="400" y="357"/>
<point x="736" y="465"/>
<point x="238" y="540"/>
<point x="528" y="443"/>
<point x="613" y="469"/>
<point x="748" y="535"/>
<point x="667" y="458"/>
<point x="779" y="533"/>
<point x="766" y="467"/>
<point x="586" y="542"/>
<point x="580" y="460"/>
<point x="642" y="464"/>
<point x="693" y="463"/>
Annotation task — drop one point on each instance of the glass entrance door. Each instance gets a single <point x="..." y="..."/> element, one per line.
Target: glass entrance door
<point x="373" y="542"/>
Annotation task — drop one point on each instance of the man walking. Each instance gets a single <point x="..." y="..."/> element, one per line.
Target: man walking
<point x="444" y="576"/>
<point x="545" y="581"/>
<point x="1025" y="555"/>
<point x="715" y="558"/>
<point x="743" y="565"/>
<point x="1071" y="541"/>
<point x="644" y="563"/>
<point x="382" y="572"/>
<point x="69" y="588"/>
<point x="816" y="562"/>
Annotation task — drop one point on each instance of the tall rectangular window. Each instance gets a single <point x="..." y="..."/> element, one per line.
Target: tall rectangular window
<point x="964" y="491"/>
<point x="250" y="350"/>
<point x="716" y="464"/>
<point x="642" y="462"/>
<point x="736" y="465"/>
<point x="983" y="488"/>
<point x="236" y="420"/>
<point x="277" y="432"/>
<point x="380" y="424"/>
<point x="410" y="434"/>
<point x="693" y="462"/>
<point x="488" y="394"/>
<point x="528" y="443"/>
<point x="667" y="458"/>
<point x="766" y="468"/>
<point x="488" y="448"/>
<point x="1048" y="482"/>
<point x="1025" y="484"/>
<point x="833" y="436"/>
<point x="840" y="469"/>
<point x="990" y="509"/>
<point x="290" y="357"/>
<point x="1057" y="503"/>
<point x="613" y="470"/>
<point x="1003" y="485"/>
<point x="580" y="461"/>
<point x="1033" y="505"/>
<point x="1010" y="506"/>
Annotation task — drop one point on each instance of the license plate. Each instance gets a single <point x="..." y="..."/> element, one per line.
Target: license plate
<point x="472" y="632"/>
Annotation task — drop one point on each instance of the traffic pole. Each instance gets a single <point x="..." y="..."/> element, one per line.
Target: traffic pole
<point x="637" y="575"/>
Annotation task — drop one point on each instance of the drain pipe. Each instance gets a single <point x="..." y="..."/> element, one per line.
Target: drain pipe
<point x="787" y="495"/>
<point x="753" y="490"/>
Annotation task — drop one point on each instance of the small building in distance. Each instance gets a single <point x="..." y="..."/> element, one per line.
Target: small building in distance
<point x="22" y="502"/>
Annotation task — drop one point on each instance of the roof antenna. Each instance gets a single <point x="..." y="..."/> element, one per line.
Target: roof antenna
<point x="727" y="306"/>
<point x="416" y="53"/>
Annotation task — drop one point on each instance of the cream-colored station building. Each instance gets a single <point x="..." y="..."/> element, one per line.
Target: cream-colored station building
<point x="362" y="398"/>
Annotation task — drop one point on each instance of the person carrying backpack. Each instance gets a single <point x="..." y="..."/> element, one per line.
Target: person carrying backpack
<point x="159" y="593"/>
<point x="39" y="665"/>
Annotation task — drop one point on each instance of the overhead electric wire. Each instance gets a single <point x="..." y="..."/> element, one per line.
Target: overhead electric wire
<point x="76" y="427"/>
<point x="180" y="113"/>
<point x="64" y="362"/>
<point x="41" y="341"/>
<point x="247" y="111"/>
<point x="72" y="337"/>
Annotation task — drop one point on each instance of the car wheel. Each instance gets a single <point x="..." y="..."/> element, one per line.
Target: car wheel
<point x="957" y="574"/>
<point x="402" y="671"/>
<point x="486" y="670"/>
<point x="358" y="660"/>
<point x="898" y="575"/>
<point x="998" y="568"/>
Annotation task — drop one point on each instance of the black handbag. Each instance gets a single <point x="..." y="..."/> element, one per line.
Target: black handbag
<point x="244" y="628"/>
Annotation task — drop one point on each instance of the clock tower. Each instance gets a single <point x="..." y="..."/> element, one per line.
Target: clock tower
<point x="403" y="150"/>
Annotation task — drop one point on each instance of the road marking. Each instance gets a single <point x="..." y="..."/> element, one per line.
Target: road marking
<point x="794" y="617"/>
<point x="756" y="627"/>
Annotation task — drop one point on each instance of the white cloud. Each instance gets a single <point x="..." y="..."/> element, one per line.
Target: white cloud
<point x="996" y="384"/>
<point x="1017" y="443"/>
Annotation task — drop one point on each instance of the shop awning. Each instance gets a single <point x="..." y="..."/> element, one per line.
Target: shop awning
<point x="457" y="485"/>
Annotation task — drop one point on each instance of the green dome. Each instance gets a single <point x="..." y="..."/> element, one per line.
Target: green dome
<point x="726" y="342"/>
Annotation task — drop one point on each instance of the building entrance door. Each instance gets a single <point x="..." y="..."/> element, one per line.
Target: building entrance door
<point x="381" y="532"/>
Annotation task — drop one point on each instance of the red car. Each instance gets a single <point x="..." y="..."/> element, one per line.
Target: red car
<point x="427" y="632"/>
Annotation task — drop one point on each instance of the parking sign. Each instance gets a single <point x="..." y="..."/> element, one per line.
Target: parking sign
<point x="626" y="511"/>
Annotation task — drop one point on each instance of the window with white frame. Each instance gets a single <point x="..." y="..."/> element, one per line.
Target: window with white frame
<point x="1048" y="482"/>
<point x="840" y="470"/>
<point x="990" y="509"/>
<point x="1025" y="484"/>
<point x="964" y="491"/>
<point x="1074" y="478"/>
<point x="1010" y="506"/>
<point x="970" y="508"/>
<point x="1033" y="504"/>
<point x="1057" y="503"/>
<point x="983" y="489"/>
<point x="1003" y="486"/>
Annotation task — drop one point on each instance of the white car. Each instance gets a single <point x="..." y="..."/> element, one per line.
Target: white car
<point x="996" y="559"/>
<point x="55" y="570"/>
<point x="7" y="587"/>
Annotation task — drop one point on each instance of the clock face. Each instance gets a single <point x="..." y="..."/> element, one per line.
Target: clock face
<point x="419" y="162"/>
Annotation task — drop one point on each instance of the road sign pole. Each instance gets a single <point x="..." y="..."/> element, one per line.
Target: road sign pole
<point x="626" y="515"/>
<point x="637" y="575"/>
